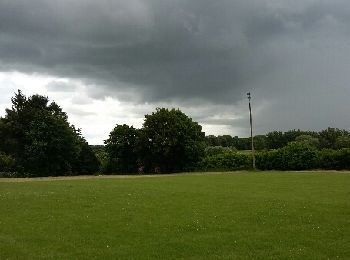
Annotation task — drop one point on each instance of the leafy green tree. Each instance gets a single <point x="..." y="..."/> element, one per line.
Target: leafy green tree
<point x="50" y="146"/>
<point x="242" y="143"/>
<point x="260" y="142"/>
<point x="87" y="161"/>
<point x="343" y="142"/>
<point x="211" y="140"/>
<point x="37" y="135"/>
<point x="225" y="140"/>
<point x="121" y="149"/>
<point x="101" y="155"/>
<point x="307" y="139"/>
<point x="278" y="139"/>
<point x="275" y="140"/>
<point x="6" y="162"/>
<point x="291" y="135"/>
<point x="171" y="141"/>
<point x="328" y="137"/>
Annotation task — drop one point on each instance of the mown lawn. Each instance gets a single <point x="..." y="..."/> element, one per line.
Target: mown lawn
<point x="273" y="215"/>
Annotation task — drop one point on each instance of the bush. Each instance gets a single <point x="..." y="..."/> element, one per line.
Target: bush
<point x="294" y="156"/>
<point x="329" y="159"/>
<point x="228" y="161"/>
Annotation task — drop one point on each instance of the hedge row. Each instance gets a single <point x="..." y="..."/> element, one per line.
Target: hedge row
<point x="294" y="156"/>
<point x="228" y="161"/>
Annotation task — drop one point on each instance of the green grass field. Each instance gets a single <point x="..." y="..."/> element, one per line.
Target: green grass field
<point x="270" y="215"/>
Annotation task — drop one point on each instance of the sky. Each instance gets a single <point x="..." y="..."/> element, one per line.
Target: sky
<point x="110" y="62"/>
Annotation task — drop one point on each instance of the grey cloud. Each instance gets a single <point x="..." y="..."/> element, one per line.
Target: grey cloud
<point x="176" y="50"/>
<point x="60" y="86"/>
<point x="168" y="49"/>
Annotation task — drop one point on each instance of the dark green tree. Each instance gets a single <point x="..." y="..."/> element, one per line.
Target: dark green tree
<point x="171" y="141"/>
<point x="242" y="143"/>
<point x="121" y="149"/>
<point x="328" y="137"/>
<point x="307" y="139"/>
<point x="211" y="140"/>
<point x="86" y="161"/>
<point x="37" y="135"/>
<point x="225" y="141"/>
<point x="50" y="146"/>
<point x="275" y="140"/>
<point x="260" y="142"/>
<point x="343" y="142"/>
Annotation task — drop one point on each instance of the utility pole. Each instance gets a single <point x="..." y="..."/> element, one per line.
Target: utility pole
<point x="251" y="129"/>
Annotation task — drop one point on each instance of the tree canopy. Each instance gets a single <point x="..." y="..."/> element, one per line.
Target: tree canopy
<point x="36" y="133"/>
<point x="169" y="141"/>
<point x="121" y="147"/>
<point x="173" y="141"/>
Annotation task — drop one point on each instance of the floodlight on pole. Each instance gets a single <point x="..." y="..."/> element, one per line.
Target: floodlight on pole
<point x="251" y="128"/>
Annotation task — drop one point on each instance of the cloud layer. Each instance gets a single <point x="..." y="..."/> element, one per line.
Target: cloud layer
<point x="294" y="56"/>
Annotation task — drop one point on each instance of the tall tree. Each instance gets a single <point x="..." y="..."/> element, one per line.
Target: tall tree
<point x="328" y="137"/>
<point x="37" y="135"/>
<point x="121" y="149"/>
<point x="172" y="141"/>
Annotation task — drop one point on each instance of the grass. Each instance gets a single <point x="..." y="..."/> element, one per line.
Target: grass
<point x="270" y="215"/>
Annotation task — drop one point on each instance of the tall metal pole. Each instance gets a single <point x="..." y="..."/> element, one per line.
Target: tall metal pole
<point x="251" y="129"/>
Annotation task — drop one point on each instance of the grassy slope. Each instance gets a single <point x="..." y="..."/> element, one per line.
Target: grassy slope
<point x="223" y="216"/>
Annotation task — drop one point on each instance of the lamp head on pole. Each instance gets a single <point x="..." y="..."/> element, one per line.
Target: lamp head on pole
<point x="249" y="97"/>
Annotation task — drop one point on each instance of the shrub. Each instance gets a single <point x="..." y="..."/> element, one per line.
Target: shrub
<point x="228" y="161"/>
<point x="294" y="156"/>
<point x="329" y="159"/>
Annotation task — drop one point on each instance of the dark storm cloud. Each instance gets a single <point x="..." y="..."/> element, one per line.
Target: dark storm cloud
<point x="179" y="49"/>
<point x="159" y="50"/>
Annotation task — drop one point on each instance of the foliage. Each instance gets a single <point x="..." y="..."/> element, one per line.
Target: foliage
<point x="121" y="150"/>
<point x="294" y="156"/>
<point x="87" y="161"/>
<point x="228" y="141"/>
<point x="343" y="142"/>
<point x="334" y="159"/>
<point x="332" y="138"/>
<point x="308" y="139"/>
<point x="7" y="162"/>
<point x="329" y="137"/>
<point x="260" y="142"/>
<point x="171" y="141"/>
<point x="275" y="140"/>
<point x="228" y="161"/>
<point x="101" y="155"/>
<point x="37" y="135"/>
<point x="49" y="146"/>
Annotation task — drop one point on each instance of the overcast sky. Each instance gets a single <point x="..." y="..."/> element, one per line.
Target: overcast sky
<point x="110" y="62"/>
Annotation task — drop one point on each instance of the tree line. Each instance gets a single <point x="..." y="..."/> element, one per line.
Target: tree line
<point x="169" y="141"/>
<point x="293" y="156"/>
<point x="330" y="138"/>
<point x="36" y="139"/>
